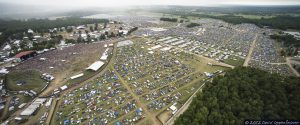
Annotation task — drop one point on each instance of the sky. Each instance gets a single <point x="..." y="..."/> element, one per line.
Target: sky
<point x="85" y="3"/>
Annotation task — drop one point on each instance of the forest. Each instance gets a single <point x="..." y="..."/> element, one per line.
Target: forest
<point x="243" y="94"/>
<point x="282" y="17"/>
<point x="289" y="42"/>
<point x="168" y="19"/>
<point x="282" y="22"/>
<point x="191" y="25"/>
<point x="12" y="27"/>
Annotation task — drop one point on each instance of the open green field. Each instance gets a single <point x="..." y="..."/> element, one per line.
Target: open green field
<point x="32" y="80"/>
<point x="235" y="61"/>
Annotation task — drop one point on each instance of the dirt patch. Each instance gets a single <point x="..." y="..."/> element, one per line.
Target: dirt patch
<point x="164" y="116"/>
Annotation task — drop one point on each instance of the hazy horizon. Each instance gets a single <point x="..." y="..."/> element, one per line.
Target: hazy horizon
<point x="113" y="3"/>
<point x="20" y="9"/>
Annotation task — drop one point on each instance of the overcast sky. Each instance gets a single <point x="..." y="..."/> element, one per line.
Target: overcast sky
<point x="84" y="3"/>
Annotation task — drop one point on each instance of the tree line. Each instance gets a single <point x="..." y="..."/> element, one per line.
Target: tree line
<point x="289" y="42"/>
<point x="191" y="25"/>
<point x="168" y="19"/>
<point x="243" y="94"/>
<point x="282" y="22"/>
<point x="13" y="27"/>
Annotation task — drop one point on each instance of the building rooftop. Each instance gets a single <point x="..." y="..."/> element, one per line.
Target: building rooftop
<point x="19" y="55"/>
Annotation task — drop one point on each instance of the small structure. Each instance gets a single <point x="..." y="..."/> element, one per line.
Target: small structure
<point x="124" y="32"/>
<point x="124" y="43"/>
<point x="208" y="74"/>
<point x="30" y="31"/>
<point x="31" y="109"/>
<point x="155" y="47"/>
<point x="166" y="49"/>
<point x="4" y="71"/>
<point x="25" y="55"/>
<point x="77" y="76"/>
<point x="63" y="87"/>
<point x="173" y="109"/>
<point x="33" y="92"/>
<point x="80" y="27"/>
<point x="48" y="103"/>
<point x="47" y="77"/>
<point x="95" y="66"/>
<point x="104" y="55"/>
<point x="22" y="105"/>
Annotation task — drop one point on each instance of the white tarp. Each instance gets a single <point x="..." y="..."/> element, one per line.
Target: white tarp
<point x="173" y="108"/>
<point x="4" y="71"/>
<point x="96" y="65"/>
<point x="124" y="43"/>
<point x="63" y="87"/>
<point x="104" y="55"/>
<point x="33" y="107"/>
<point x="155" y="47"/>
<point x="77" y="76"/>
<point x="166" y="49"/>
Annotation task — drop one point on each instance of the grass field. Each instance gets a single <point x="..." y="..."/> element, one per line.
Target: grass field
<point x="235" y="61"/>
<point x="31" y="78"/>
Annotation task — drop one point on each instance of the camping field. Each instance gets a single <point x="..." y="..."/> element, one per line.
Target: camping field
<point x="138" y="84"/>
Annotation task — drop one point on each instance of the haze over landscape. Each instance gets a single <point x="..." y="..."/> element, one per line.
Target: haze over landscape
<point x="105" y="3"/>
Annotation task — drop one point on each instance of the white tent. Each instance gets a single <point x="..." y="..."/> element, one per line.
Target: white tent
<point x="173" y="108"/>
<point x="77" y="76"/>
<point x="63" y="87"/>
<point x="124" y="43"/>
<point x="96" y="65"/>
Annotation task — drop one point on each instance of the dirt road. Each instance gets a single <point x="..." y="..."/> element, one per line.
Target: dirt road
<point x="288" y="62"/>
<point x="184" y="107"/>
<point x="150" y="115"/>
<point x="250" y="52"/>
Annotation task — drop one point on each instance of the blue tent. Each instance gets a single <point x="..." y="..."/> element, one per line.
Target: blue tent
<point x="117" y="123"/>
<point x="66" y="122"/>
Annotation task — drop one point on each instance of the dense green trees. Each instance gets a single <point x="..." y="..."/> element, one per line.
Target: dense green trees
<point x="191" y="25"/>
<point x="11" y="27"/>
<point x="290" y="43"/>
<point x="277" y="22"/>
<point x="168" y="19"/>
<point x="283" y="18"/>
<point x="132" y="30"/>
<point x="244" y="93"/>
<point x="288" y="40"/>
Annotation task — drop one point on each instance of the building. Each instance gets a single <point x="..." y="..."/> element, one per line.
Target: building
<point x="80" y="27"/>
<point x="25" y="55"/>
<point x="30" y="31"/>
<point x="173" y="109"/>
<point x="95" y="66"/>
<point x="32" y="108"/>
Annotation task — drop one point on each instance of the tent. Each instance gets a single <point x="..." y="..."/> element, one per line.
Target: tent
<point x="96" y="65"/>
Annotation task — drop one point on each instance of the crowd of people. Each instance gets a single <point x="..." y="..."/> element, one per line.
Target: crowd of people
<point x="56" y="61"/>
